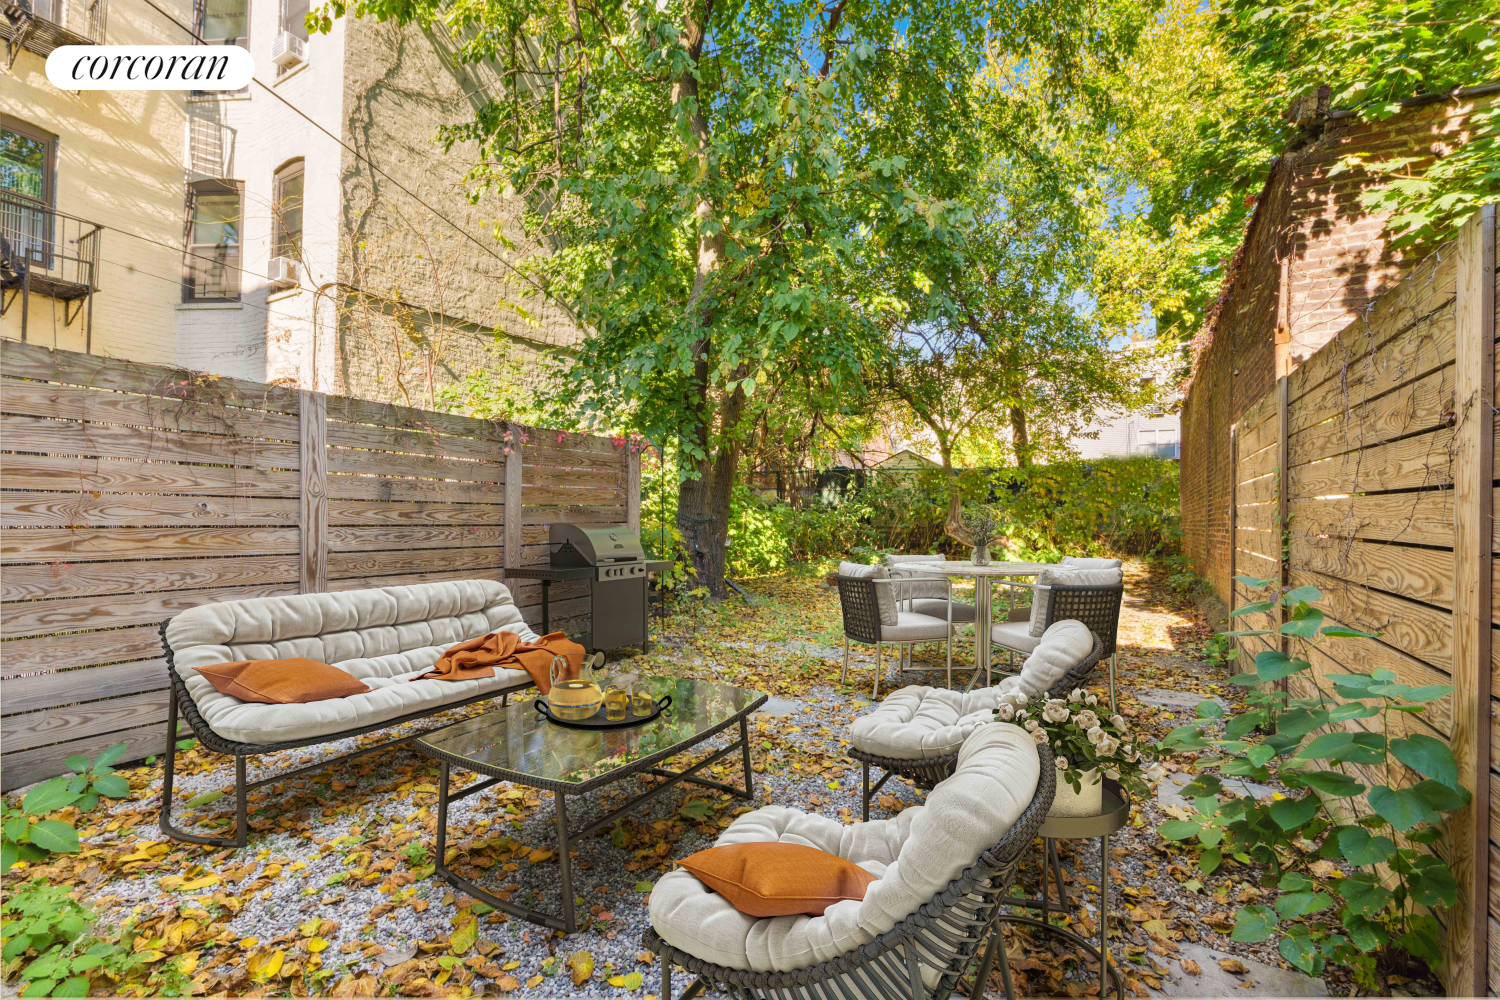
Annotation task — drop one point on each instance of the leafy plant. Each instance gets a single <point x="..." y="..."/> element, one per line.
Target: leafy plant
<point x="1372" y="914"/>
<point x="416" y="854"/>
<point x="27" y="836"/>
<point x="1084" y="740"/>
<point x="48" y="939"/>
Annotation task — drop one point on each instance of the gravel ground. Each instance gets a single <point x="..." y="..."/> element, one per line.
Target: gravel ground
<point x="335" y="894"/>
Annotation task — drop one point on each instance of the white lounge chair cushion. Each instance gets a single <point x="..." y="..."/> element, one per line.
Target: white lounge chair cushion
<point x="1084" y="563"/>
<point x="917" y="722"/>
<point x="1072" y="576"/>
<point x="885" y="595"/>
<point x="1062" y="647"/>
<point x="383" y="636"/>
<point x="916" y="855"/>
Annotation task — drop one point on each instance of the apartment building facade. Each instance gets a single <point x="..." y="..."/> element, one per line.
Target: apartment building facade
<point x="90" y="186"/>
<point x="308" y="229"/>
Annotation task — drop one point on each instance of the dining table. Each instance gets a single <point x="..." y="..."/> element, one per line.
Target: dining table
<point x="981" y="574"/>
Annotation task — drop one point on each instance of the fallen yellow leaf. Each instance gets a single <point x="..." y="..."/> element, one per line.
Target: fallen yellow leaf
<point x="187" y="963"/>
<point x="200" y="883"/>
<point x="310" y="929"/>
<point x="263" y="967"/>
<point x="464" y="935"/>
<point x="507" y="983"/>
<point x="581" y="964"/>
<point x="539" y="855"/>
<point x="533" y="982"/>
<point x="248" y="943"/>
<point x="508" y="966"/>
<point x="316" y="945"/>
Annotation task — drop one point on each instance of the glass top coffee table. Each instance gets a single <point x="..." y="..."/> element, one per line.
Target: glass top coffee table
<point x="517" y="744"/>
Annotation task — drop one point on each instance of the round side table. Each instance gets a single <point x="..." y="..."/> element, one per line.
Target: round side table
<point x="1114" y="815"/>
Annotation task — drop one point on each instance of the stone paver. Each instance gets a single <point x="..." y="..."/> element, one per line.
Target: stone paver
<point x="1214" y="981"/>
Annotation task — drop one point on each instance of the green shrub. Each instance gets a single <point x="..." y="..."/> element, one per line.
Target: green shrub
<point x="1355" y="805"/>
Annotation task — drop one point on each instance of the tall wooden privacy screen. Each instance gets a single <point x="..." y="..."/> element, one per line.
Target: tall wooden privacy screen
<point x="131" y="492"/>
<point x="1369" y="472"/>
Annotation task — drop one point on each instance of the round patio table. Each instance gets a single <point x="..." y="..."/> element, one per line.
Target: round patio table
<point x="981" y="575"/>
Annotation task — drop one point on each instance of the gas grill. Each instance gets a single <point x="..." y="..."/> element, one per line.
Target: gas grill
<point x="611" y="558"/>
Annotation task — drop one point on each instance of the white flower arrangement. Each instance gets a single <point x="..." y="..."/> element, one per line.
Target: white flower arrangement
<point x="1083" y="740"/>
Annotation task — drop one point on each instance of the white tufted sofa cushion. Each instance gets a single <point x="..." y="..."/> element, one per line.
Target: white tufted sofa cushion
<point x="915" y="855"/>
<point x="915" y="722"/>
<point x="384" y="636"/>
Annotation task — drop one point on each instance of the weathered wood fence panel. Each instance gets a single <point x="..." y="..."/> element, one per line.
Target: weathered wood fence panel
<point x="1378" y="487"/>
<point x="131" y="492"/>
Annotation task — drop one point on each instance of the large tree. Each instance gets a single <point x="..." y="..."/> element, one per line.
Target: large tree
<point x="709" y="173"/>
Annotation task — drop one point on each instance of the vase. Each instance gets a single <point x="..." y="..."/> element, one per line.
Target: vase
<point x="1088" y="802"/>
<point x="980" y="556"/>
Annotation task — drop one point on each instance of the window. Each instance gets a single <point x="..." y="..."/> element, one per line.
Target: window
<point x="47" y="10"/>
<point x="28" y="160"/>
<point x="1161" y="442"/>
<point x="211" y="269"/>
<point x="294" y="17"/>
<point x="288" y="222"/>
<point x="224" y="22"/>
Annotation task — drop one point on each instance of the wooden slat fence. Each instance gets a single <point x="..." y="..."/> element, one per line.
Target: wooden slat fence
<point x="131" y="492"/>
<point x="1368" y="472"/>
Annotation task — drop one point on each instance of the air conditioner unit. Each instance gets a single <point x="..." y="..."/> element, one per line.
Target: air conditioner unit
<point x="283" y="271"/>
<point x="288" y="51"/>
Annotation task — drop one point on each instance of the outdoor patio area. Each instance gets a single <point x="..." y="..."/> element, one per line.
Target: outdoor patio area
<point x="336" y="892"/>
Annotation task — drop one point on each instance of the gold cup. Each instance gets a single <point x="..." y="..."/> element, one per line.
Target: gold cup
<point x="640" y="701"/>
<point x="616" y="701"/>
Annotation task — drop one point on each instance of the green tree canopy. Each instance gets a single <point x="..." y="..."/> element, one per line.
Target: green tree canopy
<point x="714" y="175"/>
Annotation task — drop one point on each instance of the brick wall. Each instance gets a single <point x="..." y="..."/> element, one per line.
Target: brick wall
<point x="1311" y="260"/>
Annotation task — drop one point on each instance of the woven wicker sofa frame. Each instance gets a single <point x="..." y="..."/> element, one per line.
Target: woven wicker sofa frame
<point x="951" y="924"/>
<point x="181" y="701"/>
<point x="928" y="771"/>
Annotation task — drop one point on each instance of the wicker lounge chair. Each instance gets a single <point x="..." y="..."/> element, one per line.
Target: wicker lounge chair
<point x="916" y="732"/>
<point x="925" y="955"/>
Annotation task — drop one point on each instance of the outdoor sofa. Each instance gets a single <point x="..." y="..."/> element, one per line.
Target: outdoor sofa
<point x="941" y="869"/>
<point x="916" y="732"/>
<point x="385" y="637"/>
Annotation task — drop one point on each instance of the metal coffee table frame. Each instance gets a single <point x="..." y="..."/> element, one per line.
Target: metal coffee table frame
<point x="1054" y="828"/>
<point x="562" y="789"/>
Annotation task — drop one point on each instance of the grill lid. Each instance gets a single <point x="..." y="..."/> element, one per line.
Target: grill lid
<point x="594" y="544"/>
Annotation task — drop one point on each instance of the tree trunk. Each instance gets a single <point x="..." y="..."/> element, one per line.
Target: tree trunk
<point x="1019" y="437"/>
<point x="952" y="526"/>
<point x="703" y="502"/>
<point x="703" y="499"/>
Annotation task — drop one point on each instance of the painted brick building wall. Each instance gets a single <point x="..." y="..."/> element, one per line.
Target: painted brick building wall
<point x="1311" y="259"/>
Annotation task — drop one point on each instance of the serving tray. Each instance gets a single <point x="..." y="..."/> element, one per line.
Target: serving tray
<point x="598" y="719"/>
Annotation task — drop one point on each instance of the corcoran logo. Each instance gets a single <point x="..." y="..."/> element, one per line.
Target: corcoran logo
<point x="150" y="67"/>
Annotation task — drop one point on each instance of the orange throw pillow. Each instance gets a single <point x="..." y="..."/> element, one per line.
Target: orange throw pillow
<point x="771" y="879"/>
<point x="282" y="682"/>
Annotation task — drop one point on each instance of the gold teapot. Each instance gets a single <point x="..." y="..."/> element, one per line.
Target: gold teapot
<point x="573" y="699"/>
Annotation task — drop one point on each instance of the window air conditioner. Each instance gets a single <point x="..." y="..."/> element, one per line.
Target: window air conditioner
<point x="283" y="271"/>
<point x="288" y="51"/>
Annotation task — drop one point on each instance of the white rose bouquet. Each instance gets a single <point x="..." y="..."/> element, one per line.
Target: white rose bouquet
<point x="1083" y="738"/>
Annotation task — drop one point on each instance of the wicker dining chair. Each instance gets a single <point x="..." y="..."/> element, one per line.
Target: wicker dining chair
<point x="1096" y="605"/>
<point x="944" y="934"/>
<point x="860" y="603"/>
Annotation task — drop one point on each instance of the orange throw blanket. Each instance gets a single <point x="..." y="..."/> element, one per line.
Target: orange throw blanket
<point x="479" y="657"/>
